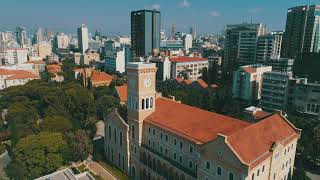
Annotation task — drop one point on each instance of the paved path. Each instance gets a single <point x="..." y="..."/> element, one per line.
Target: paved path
<point x="99" y="170"/>
<point x="313" y="176"/>
<point x="4" y="160"/>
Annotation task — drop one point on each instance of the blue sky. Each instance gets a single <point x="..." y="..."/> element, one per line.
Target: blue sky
<point x="113" y="16"/>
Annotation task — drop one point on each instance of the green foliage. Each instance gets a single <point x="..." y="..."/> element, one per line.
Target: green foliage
<point x="299" y="172"/>
<point x="15" y="171"/>
<point x="79" y="145"/>
<point x="37" y="155"/>
<point x="68" y="65"/>
<point x="56" y="124"/>
<point x="105" y="104"/>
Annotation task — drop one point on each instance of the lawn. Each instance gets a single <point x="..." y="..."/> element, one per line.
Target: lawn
<point x="114" y="171"/>
<point x="82" y="168"/>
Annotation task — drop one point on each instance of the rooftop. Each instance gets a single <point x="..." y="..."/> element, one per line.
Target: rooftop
<point x="98" y="76"/>
<point x="122" y="91"/>
<point x="180" y="59"/>
<point x="198" y="125"/>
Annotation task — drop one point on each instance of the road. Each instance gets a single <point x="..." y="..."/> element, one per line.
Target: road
<point x="99" y="170"/>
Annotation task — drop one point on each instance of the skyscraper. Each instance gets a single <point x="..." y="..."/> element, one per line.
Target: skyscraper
<point x="241" y="45"/>
<point x="193" y="32"/>
<point x="302" y="32"/>
<point x="21" y="36"/>
<point x="145" y="32"/>
<point x="83" y="38"/>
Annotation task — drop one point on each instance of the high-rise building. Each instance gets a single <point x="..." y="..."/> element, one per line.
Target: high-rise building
<point x="302" y="34"/>
<point x="280" y="64"/>
<point x="187" y="41"/>
<point x="15" y="56"/>
<point x="173" y="31"/>
<point x="83" y="38"/>
<point x="39" y="36"/>
<point x="193" y="32"/>
<point x="145" y="32"/>
<point x="277" y="42"/>
<point x="21" y="36"/>
<point x="61" y="41"/>
<point x="241" y="45"/>
<point x="264" y="48"/>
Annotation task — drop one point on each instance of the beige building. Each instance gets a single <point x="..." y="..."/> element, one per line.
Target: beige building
<point x="164" y="139"/>
<point x="41" y="50"/>
<point x="190" y="65"/>
<point x="86" y="57"/>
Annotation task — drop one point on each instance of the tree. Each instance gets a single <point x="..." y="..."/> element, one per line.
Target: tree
<point x="205" y="75"/>
<point x="15" y="171"/>
<point x="37" y="155"/>
<point x="68" y="65"/>
<point x="79" y="145"/>
<point x="299" y="173"/>
<point x="56" y="124"/>
<point x="105" y="104"/>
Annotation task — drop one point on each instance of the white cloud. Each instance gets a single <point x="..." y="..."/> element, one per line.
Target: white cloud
<point x="184" y="4"/>
<point x="153" y="6"/>
<point x="255" y="10"/>
<point x="214" y="13"/>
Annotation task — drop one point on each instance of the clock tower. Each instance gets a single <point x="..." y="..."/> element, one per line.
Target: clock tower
<point x="141" y="96"/>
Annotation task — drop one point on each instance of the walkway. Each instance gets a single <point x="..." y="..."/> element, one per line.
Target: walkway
<point x="99" y="170"/>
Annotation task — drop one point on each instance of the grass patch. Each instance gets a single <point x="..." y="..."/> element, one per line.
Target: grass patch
<point x="2" y="148"/>
<point x="75" y="170"/>
<point x="114" y="171"/>
<point x="82" y="168"/>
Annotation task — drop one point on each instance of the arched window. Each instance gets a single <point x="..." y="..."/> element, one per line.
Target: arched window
<point x="219" y="171"/>
<point x="143" y="104"/>
<point x="115" y="135"/>
<point x="151" y="102"/>
<point x="231" y="176"/>
<point x="147" y="103"/>
<point x="208" y="165"/>
<point x="132" y="131"/>
<point x="252" y="177"/>
<point x="120" y="138"/>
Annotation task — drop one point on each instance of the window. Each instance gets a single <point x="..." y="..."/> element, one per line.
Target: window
<point x="252" y="177"/>
<point x="258" y="172"/>
<point x="219" y="171"/>
<point x="153" y="131"/>
<point x="191" y="149"/>
<point x="231" y="176"/>
<point x="109" y="132"/>
<point x="166" y="151"/>
<point x="142" y="104"/>
<point x="149" y="129"/>
<point x="120" y="138"/>
<point x="180" y="159"/>
<point x="153" y="144"/>
<point x="149" y="143"/>
<point x="181" y="145"/>
<point x="166" y="138"/>
<point x="132" y="131"/>
<point x="263" y="168"/>
<point x="151" y="102"/>
<point x="174" y="156"/>
<point x="161" y="149"/>
<point x="175" y="141"/>
<point x="190" y="164"/>
<point x="208" y="165"/>
<point x="161" y="135"/>
<point x="115" y="135"/>
<point x="274" y="176"/>
<point x="147" y="103"/>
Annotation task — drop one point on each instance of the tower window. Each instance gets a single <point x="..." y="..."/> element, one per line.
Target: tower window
<point x="151" y="102"/>
<point x="132" y="131"/>
<point x="147" y="103"/>
<point x="142" y="104"/>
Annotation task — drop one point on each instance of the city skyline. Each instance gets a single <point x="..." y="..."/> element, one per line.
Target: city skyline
<point x="113" y="18"/>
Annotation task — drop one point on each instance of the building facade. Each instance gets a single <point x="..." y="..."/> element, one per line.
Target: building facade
<point x="21" y="37"/>
<point x="164" y="139"/>
<point x="247" y="82"/>
<point x="115" y="60"/>
<point x="241" y="45"/>
<point x="280" y="64"/>
<point x="83" y="38"/>
<point x="15" y="56"/>
<point x="61" y="41"/>
<point x="302" y="34"/>
<point x="188" y="67"/>
<point x="145" y="32"/>
<point x="10" y="78"/>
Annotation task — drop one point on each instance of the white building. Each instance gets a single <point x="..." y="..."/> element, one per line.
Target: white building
<point x="187" y="41"/>
<point x="62" y="41"/>
<point x="10" y="78"/>
<point x="83" y="38"/>
<point x="15" y="55"/>
<point x="190" y="66"/>
<point x="124" y="40"/>
<point x="247" y="82"/>
<point x="115" y="61"/>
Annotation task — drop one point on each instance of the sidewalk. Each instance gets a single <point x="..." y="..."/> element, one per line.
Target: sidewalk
<point x="99" y="170"/>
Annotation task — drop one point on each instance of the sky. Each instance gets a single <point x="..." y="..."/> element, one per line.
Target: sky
<point x="112" y="17"/>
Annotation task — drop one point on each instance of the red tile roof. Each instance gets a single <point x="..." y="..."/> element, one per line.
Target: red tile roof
<point x="180" y="59"/>
<point x="122" y="92"/>
<point x="192" y="123"/>
<point x="99" y="76"/>
<point x="249" y="69"/>
<point x="187" y="81"/>
<point x="179" y="80"/>
<point x="202" y="83"/>
<point x="261" y="114"/>
<point x="253" y="141"/>
<point x="18" y="74"/>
